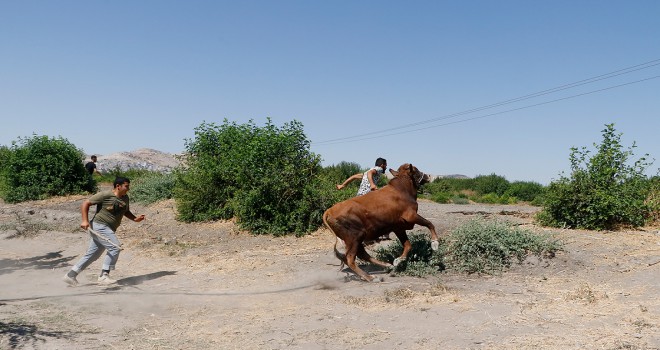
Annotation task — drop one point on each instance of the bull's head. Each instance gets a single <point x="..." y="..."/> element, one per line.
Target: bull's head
<point x="418" y="177"/>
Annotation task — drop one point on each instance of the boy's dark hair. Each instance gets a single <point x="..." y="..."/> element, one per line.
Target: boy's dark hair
<point x="120" y="181"/>
<point x="380" y="161"/>
<point x="93" y="157"/>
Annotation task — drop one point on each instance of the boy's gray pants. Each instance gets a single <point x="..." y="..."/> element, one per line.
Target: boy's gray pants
<point x="97" y="246"/>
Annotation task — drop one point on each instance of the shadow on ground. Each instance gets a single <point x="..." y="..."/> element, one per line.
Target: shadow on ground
<point x="20" y="335"/>
<point x="135" y="280"/>
<point x="49" y="261"/>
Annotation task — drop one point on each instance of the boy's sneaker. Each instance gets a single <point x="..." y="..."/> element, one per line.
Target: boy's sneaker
<point x="105" y="279"/>
<point x="72" y="281"/>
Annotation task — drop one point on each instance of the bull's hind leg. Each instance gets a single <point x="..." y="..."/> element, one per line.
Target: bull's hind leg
<point x="352" y="250"/>
<point x="407" y="246"/>
<point x="362" y="254"/>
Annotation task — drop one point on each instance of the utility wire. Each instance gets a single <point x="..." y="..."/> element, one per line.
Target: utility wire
<point x="338" y="141"/>
<point x="619" y="72"/>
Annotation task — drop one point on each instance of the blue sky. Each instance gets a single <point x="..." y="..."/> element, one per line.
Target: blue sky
<point x="114" y="76"/>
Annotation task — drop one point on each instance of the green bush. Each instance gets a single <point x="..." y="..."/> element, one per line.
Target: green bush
<point x="152" y="188"/>
<point x="265" y="177"/>
<point x="422" y="260"/>
<point x="5" y="154"/>
<point x="440" y="197"/>
<point x="602" y="192"/>
<point x="653" y="201"/>
<point x="493" y="189"/>
<point x="485" y="184"/>
<point x="132" y="174"/>
<point x="481" y="246"/>
<point x="478" y="246"/>
<point x="39" y="167"/>
<point x="525" y="190"/>
<point x="341" y="171"/>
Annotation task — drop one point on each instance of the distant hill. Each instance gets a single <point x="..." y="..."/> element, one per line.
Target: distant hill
<point x="144" y="158"/>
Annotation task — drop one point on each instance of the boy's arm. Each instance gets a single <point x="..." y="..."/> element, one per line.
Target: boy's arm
<point x="370" y="176"/>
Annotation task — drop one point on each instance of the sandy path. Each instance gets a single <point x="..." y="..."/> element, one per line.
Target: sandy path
<point x="216" y="288"/>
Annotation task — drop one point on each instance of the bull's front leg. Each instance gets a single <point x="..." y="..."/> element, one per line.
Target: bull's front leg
<point x="419" y="220"/>
<point x="407" y="246"/>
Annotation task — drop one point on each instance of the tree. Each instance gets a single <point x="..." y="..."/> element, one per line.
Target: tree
<point x="40" y="166"/>
<point x="265" y="177"/>
<point x="603" y="192"/>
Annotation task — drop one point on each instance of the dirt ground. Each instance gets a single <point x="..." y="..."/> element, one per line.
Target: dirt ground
<point x="210" y="286"/>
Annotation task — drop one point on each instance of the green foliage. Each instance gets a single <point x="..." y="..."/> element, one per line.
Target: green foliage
<point x="422" y="260"/>
<point x="39" y="167"/>
<point x="653" y="200"/>
<point x="5" y="154"/>
<point x="492" y="198"/>
<point x="486" y="247"/>
<point x="491" y="184"/>
<point x="602" y="192"/>
<point x="478" y="246"/>
<point x="525" y="190"/>
<point x="266" y="177"/>
<point x="440" y="197"/>
<point x="493" y="189"/>
<point x="131" y="174"/>
<point x="341" y="171"/>
<point x="152" y="188"/>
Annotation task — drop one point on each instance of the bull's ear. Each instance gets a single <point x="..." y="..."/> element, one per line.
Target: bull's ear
<point x="410" y="167"/>
<point x="394" y="172"/>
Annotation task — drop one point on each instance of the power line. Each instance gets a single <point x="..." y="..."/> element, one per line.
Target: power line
<point x="619" y="72"/>
<point x="345" y="140"/>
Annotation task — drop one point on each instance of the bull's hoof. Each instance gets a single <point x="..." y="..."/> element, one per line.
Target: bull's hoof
<point x="398" y="261"/>
<point x="435" y="245"/>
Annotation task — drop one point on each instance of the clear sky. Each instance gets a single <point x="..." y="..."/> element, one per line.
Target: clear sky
<point x="434" y="83"/>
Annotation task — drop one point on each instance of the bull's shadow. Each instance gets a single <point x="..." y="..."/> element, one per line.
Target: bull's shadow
<point x="48" y="261"/>
<point x="136" y="280"/>
<point x="374" y="270"/>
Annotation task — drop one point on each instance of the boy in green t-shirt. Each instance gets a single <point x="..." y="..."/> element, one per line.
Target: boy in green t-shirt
<point x="112" y="206"/>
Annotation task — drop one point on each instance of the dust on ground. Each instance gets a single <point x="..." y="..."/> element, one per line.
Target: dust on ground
<point x="212" y="286"/>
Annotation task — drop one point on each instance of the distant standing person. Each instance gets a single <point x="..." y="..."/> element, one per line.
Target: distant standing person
<point x="112" y="206"/>
<point x="91" y="166"/>
<point x="369" y="178"/>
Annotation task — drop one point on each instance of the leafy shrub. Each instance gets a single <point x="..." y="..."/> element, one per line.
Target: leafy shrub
<point x="602" y="192"/>
<point x="653" y="200"/>
<point x="39" y="167"/>
<point x="422" y="260"/>
<point x="525" y="190"/>
<point x="266" y="177"/>
<point x="492" y="183"/>
<point x="337" y="173"/>
<point x="492" y="189"/>
<point x="440" y="197"/>
<point x="493" y="198"/>
<point x="5" y="154"/>
<point x="478" y="246"/>
<point x="152" y="188"/>
<point x="487" y="247"/>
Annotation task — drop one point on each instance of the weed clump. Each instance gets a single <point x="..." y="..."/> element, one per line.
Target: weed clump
<point x="478" y="246"/>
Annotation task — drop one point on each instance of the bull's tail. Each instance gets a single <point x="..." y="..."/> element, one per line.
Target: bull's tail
<point x="341" y="256"/>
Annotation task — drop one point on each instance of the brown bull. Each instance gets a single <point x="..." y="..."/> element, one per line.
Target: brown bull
<point x="390" y="209"/>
